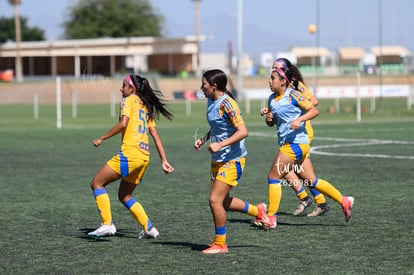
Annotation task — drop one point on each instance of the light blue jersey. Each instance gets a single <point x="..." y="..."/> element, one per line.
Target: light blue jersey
<point x="286" y="109"/>
<point x="223" y="116"/>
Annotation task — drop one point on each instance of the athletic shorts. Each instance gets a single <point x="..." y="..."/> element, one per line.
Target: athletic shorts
<point x="131" y="169"/>
<point x="297" y="152"/>
<point x="227" y="172"/>
<point x="309" y="130"/>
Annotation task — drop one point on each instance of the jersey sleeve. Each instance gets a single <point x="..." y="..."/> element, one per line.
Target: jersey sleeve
<point x="151" y="123"/>
<point x="299" y="100"/>
<point x="230" y="109"/>
<point x="126" y="106"/>
<point x="305" y="91"/>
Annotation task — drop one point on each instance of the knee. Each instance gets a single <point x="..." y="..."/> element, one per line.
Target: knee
<point x="123" y="198"/>
<point x="95" y="185"/>
<point x="227" y="203"/>
<point x="214" y="201"/>
<point x="274" y="174"/>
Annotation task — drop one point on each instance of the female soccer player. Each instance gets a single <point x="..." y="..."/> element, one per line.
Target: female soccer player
<point x="139" y="107"/>
<point x="289" y="110"/>
<point x="305" y="201"/>
<point x="228" y="155"/>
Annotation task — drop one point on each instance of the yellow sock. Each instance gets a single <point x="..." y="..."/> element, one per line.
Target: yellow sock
<point x="301" y="194"/>
<point x="136" y="209"/>
<point x="328" y="189"/>
<point x="318" y="197"/>
<point x="250" y="209"/>
<point x="220" y="235"/>
<point x="104" y="205"/>
<point x="275" y="195"/>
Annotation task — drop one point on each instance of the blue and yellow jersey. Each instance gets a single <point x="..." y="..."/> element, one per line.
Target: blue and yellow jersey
<point x="304" y="90"/>
<point x="135" y="135"/>
<point x="308" y="94"/>
<point x="286" y="108"/>
<point x="224" y="116"/>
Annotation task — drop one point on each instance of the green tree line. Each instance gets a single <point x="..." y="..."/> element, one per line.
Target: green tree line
<point x="93" y="19"/>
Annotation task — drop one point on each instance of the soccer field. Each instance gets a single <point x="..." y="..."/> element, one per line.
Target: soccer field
<point x="47" y="206"/>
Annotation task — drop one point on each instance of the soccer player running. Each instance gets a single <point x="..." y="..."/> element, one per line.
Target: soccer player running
<point x="228" y="155"/>
<point x="288" y="110"/>
<point x="305" y="201"/>
<point x="139" y="107"/>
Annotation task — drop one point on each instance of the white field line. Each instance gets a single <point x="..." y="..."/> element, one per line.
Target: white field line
<point x="349" y="142"/>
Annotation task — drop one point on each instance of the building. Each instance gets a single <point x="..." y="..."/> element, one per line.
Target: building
<point x="102" y="56"/>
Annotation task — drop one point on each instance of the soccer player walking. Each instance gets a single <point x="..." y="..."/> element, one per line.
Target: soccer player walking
<point x="139" y="107"/>
<point x="228" y="155"/>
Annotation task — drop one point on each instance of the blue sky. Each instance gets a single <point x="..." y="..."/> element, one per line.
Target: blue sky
<point x="268" y="25"/>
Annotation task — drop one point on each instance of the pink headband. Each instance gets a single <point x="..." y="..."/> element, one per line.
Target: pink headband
<point x="281" y="73"/>
<point x="129" y="80"/>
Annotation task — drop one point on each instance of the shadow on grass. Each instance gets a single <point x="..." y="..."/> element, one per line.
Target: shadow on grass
<point x="244" y="221"/>
<point x="193" y="246"/>
<point x="310" y="224"/>
<point x="197" y="247"/>
<point x="249" y="221"/>
<point x="120" y="233"/>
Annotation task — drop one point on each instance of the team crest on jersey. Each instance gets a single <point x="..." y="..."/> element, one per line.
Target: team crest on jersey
<point x="229" y="108"/>
<point x="295" y="93"/>
<point x="232" y="113"/>
<point x="123" y="102"/>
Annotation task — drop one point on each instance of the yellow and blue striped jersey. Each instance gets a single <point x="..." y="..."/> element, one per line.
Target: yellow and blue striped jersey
<point x="308" y="94"/>
<point x="136" y="132"/>
<point x="224" y="116"/>
<point x="286" y="108"/>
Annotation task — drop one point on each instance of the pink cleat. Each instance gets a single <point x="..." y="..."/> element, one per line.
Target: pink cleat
<point x="347" y="203"/>
<point x="269" y="222"/>
<point x="216" y="249"/>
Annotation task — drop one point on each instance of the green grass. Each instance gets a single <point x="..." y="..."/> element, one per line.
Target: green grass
<point x="47" y="206"/>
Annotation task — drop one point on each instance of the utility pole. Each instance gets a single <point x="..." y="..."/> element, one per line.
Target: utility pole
<point x="240" y="52"/>
<point x="197" y="30"/>
<point x="18" y="63"/>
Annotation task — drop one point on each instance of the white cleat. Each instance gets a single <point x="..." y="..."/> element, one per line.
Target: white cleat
<point x="151" y="234"/>
<point x="103" y="230"/>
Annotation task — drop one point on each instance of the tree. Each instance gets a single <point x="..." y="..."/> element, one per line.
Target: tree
<point x="112" y="18"/>
<point x="7" y="30"/>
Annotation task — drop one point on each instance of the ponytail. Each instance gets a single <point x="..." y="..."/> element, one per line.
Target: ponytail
<point x="151" y="98"/>
<point x="230" y="94"/>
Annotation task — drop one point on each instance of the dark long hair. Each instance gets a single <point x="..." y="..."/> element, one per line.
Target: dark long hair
<point x="218" y="77"/>
<point x="150" y="97"/>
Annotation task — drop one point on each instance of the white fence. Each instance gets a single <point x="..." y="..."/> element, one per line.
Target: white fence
<point x="343" y="92"/>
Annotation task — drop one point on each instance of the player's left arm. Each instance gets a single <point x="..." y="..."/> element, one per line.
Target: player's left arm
<point x="310" y="110"/>
<point x="160" y="148"/>
<point x="308" y="94"/>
